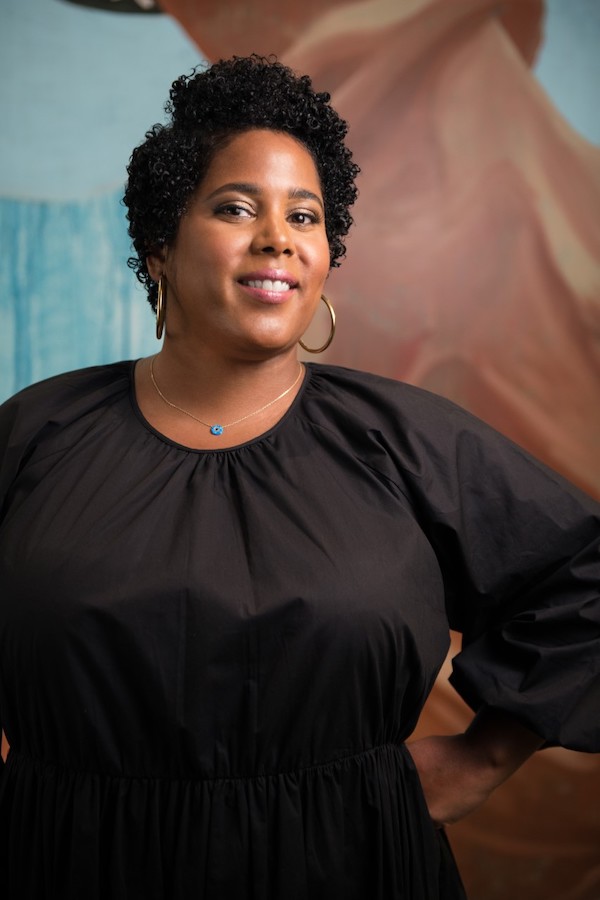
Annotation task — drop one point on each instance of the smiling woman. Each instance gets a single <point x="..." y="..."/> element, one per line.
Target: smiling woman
<point x="241" y="245"/>
<point x="247" y="267"/>
<point x="228" y="578"/>
<point x="243" y="277"/>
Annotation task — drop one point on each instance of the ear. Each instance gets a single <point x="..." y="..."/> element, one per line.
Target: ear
<point x="155" y="263"/>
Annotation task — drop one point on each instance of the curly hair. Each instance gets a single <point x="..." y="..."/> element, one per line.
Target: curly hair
<point x="206" y="109"/>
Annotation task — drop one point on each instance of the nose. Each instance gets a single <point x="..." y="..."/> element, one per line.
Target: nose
<point x="274" y="236"/>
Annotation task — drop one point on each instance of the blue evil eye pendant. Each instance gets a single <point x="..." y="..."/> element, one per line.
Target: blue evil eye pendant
<point x="216" y="429"/>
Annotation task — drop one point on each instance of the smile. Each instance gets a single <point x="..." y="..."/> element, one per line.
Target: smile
<point x="267" y="284"/>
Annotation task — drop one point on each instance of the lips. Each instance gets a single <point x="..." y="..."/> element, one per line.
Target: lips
<point x="269" y="285"/>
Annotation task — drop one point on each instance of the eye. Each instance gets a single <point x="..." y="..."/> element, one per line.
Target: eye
<point x="305" y="217"/>
<point x="235" y="211"/>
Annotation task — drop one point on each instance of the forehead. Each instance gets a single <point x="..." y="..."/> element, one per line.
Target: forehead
<point x="263" y="157"/>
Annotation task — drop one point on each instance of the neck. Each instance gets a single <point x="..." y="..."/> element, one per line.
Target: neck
<point x="222" y="389"/>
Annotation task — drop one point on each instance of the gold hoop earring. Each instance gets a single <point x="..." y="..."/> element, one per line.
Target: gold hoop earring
<point x="331" y="333"/>
<point x="161" y="308"/>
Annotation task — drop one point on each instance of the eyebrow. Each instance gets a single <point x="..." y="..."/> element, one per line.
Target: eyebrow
<point x="244" y="187"/>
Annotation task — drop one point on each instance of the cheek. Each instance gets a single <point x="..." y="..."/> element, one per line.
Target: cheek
<point x="324" y="268"/>
<point x="221" y="254"/>
<point x="202" y="261"/>
<point x="319" y="261"/>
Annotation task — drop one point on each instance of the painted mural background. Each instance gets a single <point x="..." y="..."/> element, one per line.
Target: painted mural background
<point x="474" y="268"/>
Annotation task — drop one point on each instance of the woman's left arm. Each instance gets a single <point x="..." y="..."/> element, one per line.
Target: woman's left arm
<point x="518" y="552"/>
<point x="518" y="549"/>
<point x="459" y="772"/>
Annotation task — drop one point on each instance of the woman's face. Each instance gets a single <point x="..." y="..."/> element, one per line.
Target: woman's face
<point x="247" y="267"/>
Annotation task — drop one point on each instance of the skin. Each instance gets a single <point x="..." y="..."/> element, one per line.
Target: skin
<point x="227" y="351"/>
<point x="459" y="772"/>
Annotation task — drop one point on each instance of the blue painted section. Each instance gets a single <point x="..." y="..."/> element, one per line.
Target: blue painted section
<point x="568" y="65"/>
<point x="78" y="89"/>
<point x="68" y="298"/>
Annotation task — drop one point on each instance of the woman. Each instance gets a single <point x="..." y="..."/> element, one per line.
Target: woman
<point x="228" y="577"/>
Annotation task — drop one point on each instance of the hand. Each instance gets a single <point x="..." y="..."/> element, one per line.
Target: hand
<point x="455" y="779"/>
<point x="459" y="772"/>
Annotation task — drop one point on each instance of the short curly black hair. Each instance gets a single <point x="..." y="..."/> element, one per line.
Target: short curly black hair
<point x="206" y="109"/>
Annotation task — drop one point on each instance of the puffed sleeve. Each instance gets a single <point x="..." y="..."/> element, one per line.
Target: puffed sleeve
<point x="519" y="549"/>
<point x="8" y="466"/>
<point x="11" y="447"/>
<point x="1" y="766"/>
<point x="22" y="419"/>
<point x="57" y="404"/>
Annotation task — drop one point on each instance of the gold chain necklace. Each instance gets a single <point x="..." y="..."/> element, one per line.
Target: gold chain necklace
<point x="218" y="429"/>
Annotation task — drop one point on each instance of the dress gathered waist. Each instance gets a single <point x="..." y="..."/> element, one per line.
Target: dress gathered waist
<point x="351" y="826"/>
<point x="18" y="760"/>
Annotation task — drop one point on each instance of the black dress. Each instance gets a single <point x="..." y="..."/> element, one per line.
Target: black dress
<point x="210" y="660"/>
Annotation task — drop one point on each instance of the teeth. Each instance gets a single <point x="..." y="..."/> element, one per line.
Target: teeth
<point x="268" y="285"/>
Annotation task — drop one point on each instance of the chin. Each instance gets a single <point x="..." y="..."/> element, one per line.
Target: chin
<point x="272" y="343"/>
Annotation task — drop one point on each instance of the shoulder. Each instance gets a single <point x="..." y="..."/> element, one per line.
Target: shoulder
<point x="54" y="396"/>
<point x="376" y="401"/>
<point x="69" y="385"/>
<point x="410" y="433"/>
<point x="52" y="405"/>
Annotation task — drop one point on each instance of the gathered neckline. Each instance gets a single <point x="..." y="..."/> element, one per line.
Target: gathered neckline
<point x="212" y="450"/>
